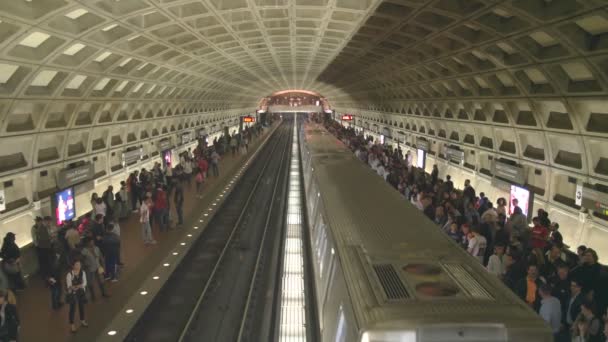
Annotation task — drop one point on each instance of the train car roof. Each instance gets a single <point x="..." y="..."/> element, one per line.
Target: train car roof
<point x="394" y="258"/>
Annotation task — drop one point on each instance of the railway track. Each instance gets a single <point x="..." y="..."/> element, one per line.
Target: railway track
<point x="212" y="294"/>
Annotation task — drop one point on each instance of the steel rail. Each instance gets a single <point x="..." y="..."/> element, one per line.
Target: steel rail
<point x="199" y="301"/>
<point x="261" y="250"/>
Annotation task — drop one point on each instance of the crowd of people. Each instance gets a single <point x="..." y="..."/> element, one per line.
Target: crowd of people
<point x="81" y="255"/>
<point x="569" y="290"/>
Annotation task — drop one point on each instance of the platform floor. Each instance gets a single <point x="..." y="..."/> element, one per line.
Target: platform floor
<point x="40" y="323"/>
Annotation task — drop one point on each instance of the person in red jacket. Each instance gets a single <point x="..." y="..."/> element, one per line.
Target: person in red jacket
<point x="203" y="165"/>
<point x="540" y="234"/>
<point x="161" y="209"/>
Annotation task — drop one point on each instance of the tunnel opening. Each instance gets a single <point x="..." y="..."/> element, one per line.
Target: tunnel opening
<point x="294" y="100"/>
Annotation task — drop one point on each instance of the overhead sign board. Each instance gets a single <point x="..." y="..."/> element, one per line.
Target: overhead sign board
<point x="347" y="117"/>
<point x="130" y="157"/>
<point x="69" y="177"/>
<point x="594" y="200"/>
<point x="422" y="144"/>
<point x="248" y="119"/>
<point x="454" y="155"/>
<point x="164" y="144"/>
<point x="508" y="172"/>
<point x="186" y="137"/>
<point x="578" y="195"/>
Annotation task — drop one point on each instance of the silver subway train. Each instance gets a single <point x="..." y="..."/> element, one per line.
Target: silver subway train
<point x="384" y="272"/>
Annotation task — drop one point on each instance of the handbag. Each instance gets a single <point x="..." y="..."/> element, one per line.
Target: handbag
<point x="70" y="298"/>
<point x="11" y="267"/>
<point x="73" y="296"/>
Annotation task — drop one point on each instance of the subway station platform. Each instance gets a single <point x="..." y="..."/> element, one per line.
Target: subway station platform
<point x="40" y="323"/>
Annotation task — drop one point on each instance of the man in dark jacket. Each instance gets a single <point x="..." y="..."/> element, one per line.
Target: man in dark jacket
<point x="98" y="229"/>
<point x="41" y="237"/>
<point x="111" y="251"/>
<point x="468" y="193"/>
<point x="527" y="288"/>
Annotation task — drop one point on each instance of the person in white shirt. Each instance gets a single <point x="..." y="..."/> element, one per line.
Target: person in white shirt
<point x="496" y="263"/>
<point x="477" y="245"/>
<point x="550" y="309"/>
<point x="100" y="207"/>
<point x="490" y="215"/>
<point x="381" y="171"/>
<point x="144" y="219"/>
<point x="76" y="283"/>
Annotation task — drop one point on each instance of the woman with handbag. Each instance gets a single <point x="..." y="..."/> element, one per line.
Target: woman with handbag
<point x="76" y="282"/>
<point x="11" y="265"/>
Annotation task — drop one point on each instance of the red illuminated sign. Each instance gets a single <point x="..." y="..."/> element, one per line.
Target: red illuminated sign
<point x="248" y="119"/>
<point x="347" y="117"/>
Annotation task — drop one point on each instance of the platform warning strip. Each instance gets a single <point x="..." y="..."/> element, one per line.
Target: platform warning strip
<point x="293" y="312"/>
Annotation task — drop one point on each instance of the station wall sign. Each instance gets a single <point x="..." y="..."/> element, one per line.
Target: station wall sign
<point x="511" y="173"/>
<point x="594" y="200"/>
<point x="69" y="177"/>
<point x="422" y="144"/>
<point x="347" y="117"/>
<point x="164" y="144"/>
<point x="129" y="157"/>
<point x="186" y="137"/>
<point x="454" y="155"/>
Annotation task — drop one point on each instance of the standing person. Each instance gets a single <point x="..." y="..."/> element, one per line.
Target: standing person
<point x="43" y="243"/>
<point x="111" y="251"/>
<point x="215" y="160"/>
<point x="9" y="320"/>
<point x="76" y="283"/>
<point x="161" y="209"/>
<point x="246" y="142"/>
<point x="72" y="236"/>
<point x="124" y="199"/>
<point x="93" y="259"/>
<point x="54" y="283"/>
<point x="179" y="204"/>
<point x="527" y="288"/>
<point x="188" y="170"/>
<point x="468" y="194"/>
<point x="203" y="165"/>
<point x="587" y="314"/>
<point x="97" y="229"/>
<point x="477" y="245"/>
<point x="108" y="199"/>
<point x="11" y="262"/>
<point x="199" y="184"/>
<point x="94" y="198"/>
<point x="496" y="263"/>
<point x="233" y="145"/>
<point x="100" y="207"/>
<point x="434" y="175"/>
<point x="144" y="219"/>
<point x="550" y="309"/>
<point x="133" y="188"/>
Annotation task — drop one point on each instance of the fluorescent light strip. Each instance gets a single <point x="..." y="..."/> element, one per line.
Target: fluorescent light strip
<point x="293" y="314"/>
